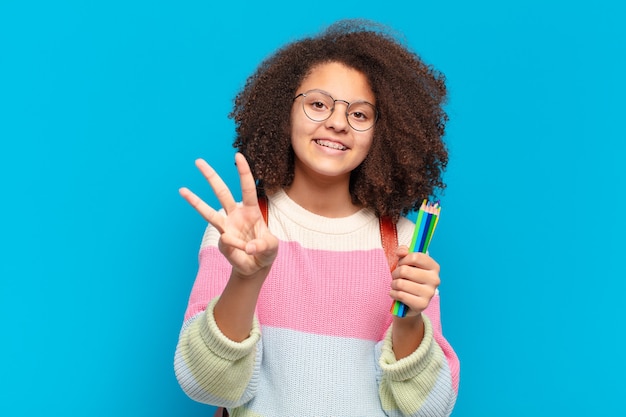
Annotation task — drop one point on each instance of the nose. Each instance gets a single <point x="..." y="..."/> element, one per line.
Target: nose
<point x="338" y="120"/>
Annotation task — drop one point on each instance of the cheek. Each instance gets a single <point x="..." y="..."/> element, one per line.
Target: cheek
<point x="365" y="146"/>
<point x="301" y="125"/>
<point x="366" y="142"/>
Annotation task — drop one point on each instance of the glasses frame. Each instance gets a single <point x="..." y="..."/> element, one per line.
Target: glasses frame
<point x="332" y="110"/>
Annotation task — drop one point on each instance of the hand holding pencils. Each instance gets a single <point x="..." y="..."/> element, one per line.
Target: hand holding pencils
<point x="425" y="224"/>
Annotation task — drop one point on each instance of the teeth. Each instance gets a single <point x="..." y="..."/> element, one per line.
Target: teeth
<point x="332" y="145"/>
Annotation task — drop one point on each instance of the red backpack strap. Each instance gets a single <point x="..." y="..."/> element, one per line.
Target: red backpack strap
<point x="263" y="206"/>
<point x="389" y="239"/>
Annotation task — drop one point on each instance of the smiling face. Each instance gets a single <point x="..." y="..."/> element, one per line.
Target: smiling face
<point x="331" y="149"/>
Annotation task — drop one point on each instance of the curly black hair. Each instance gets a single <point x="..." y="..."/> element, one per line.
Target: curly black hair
<point x="407" y="158"/>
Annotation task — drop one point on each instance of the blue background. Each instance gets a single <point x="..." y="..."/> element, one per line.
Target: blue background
<point x="105" y="105"/>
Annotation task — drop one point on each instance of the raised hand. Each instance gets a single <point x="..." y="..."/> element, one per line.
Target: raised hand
<point x="245" y="239"/>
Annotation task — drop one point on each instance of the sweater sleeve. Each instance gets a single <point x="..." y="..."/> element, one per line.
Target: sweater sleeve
<point x="210" y="367"/>
<point x="213" y="369"/>
<point x="425" y="382"/>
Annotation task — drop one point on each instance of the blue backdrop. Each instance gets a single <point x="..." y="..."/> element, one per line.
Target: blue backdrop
<point x="105" y="105"/>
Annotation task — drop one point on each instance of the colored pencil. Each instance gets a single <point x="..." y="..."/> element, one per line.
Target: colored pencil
<point x="425" y="225"/>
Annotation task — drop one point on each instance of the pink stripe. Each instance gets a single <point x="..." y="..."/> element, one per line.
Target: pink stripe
<point x="213" y="273"/>
<point x="331" y="299"/>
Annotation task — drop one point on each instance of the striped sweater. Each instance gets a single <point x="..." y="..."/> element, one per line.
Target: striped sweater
<point x="321" y="339"/>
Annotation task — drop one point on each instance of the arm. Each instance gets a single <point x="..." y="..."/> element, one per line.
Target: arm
<point x="245" y="242"/>
<point x="219" y="347"/>
<point x="419" y="369"/>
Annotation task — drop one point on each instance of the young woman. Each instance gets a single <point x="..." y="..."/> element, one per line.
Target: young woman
<point x="289" y="316"/>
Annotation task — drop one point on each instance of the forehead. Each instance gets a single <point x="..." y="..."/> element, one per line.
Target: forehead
<point x="339" y="80"/>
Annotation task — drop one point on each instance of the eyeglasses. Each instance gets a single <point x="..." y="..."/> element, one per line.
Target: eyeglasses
<point x="318" y="106"/>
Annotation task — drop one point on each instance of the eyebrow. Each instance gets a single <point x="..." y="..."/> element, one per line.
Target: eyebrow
<point x="339" y="99"/>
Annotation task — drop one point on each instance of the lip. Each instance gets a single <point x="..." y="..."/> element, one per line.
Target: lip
<point x="331" y="144"/>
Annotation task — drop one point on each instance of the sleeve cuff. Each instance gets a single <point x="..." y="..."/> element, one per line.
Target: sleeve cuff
<point x="412" y="365"/>
<point x="221" y="345"/>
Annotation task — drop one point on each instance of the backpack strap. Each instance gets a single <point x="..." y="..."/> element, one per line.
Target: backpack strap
<point x="389" y="239"/>
<point x="388" y="234"/>
<point x="263" y="206"/>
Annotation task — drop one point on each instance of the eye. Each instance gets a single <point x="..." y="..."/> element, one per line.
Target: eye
<point x="319" y="105"/>
<point x="361" y="112"/>
<point x="359" y="116"/>
<point x="317" y="102"/>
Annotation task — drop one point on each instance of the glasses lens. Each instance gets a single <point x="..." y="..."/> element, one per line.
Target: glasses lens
<point x="361" y="115"/>
<point x="317" y="105"/>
